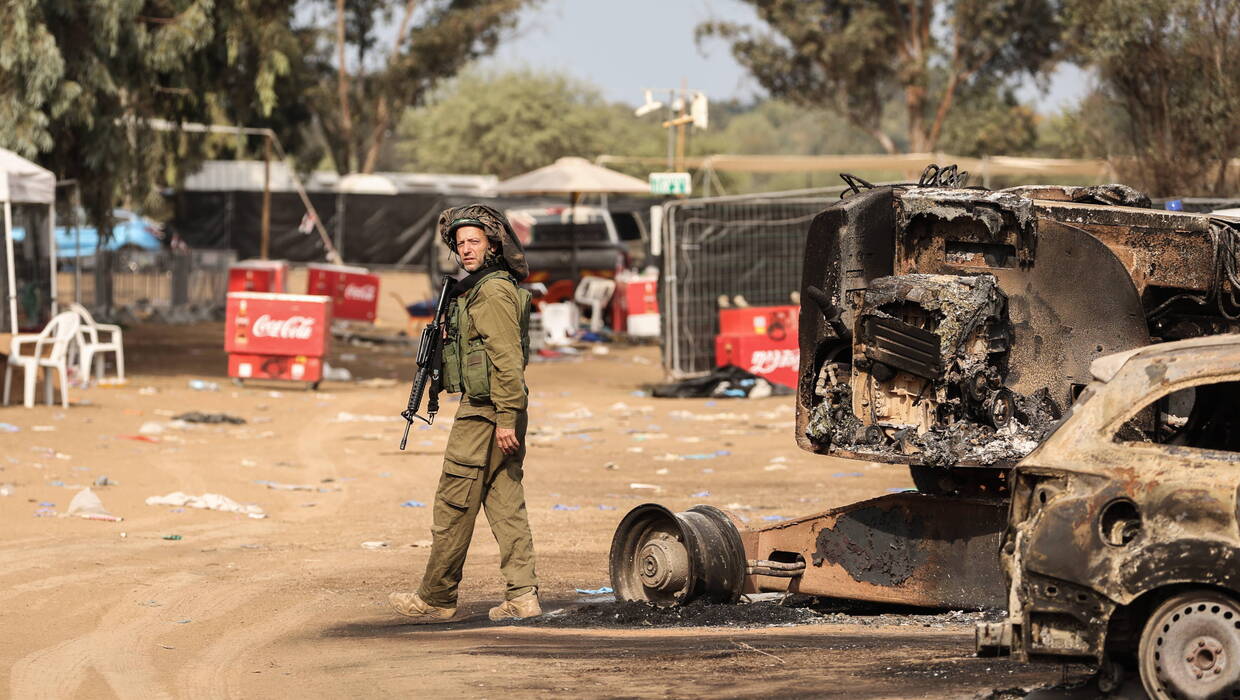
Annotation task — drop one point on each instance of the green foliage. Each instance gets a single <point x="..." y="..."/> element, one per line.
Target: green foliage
<point x="989" y="122"/>
<point x="78" y="78"/>
<point x="1172" y="67"/>
<point x="852" y="56"/>
<point x="508" y="123"/>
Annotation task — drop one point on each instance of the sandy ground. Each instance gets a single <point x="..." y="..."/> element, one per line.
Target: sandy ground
<point x="293" y="604"/>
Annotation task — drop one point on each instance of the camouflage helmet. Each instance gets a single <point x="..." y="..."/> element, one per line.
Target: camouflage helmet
<point x="497" y="229"/>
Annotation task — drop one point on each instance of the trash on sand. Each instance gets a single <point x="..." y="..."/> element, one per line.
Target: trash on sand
<point x="841" y="475"/>
<point x="8" y="428"/>
<point x="727" y="381"/>
<point x="86" y="504"/>
<point x="774" y="518"/>
<point x="612" y="466"/>
<point x="701" y="494"/>
<point x="595" y="591"/>
<point x="277" y="486"/>
<point x="200" y="385"/>
<point x="336" y="374"/>
<point x="182" y="622"/>
<point x="104" y="481"/>
<point x="645" y="486"/>
<point x="172" y="537"/>
<point x="346" y="417"/>
<point x="774" y="467"/>
<point x="578" y="413"/>
<point x="564" y="507"/>
<point x="200" y="417"/>
<point x="6" y="489"/>
<point x="602" y="506"/>
<point x="45" y="513"/>
<point x="56" y="482"/>
<point x="207" y="501"/>
<point x="663" y="472"/>
<point x="249" y="463"/>
<point x="151" y="428"/>
<point x="413" y="504"/>
<point x="374" y="544"/>
<point x="148" y="391"/>
<point x="635" y="450"/>
<point x="422" y="543"/>
<point x="43" y="428"/>
<point x="139" y="438"/>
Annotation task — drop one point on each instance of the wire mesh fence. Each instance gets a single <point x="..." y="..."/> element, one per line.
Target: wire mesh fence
<point x="729" y="251"/>
<point x="166" y="280"/>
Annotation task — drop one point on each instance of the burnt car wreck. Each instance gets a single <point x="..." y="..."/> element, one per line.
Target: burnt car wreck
<point x="1123" y="541"/>
<point x="947" y="331"/>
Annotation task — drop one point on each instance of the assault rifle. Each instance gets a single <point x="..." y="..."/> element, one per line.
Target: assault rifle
<point x="430" y="365"/>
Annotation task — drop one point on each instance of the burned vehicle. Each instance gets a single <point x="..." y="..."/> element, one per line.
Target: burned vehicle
<point x="1123" y="540"/>
<point x="945" y="330"/>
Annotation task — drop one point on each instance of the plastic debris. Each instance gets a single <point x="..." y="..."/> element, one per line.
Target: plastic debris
<point x="774" y="467"/>
<point x="207" y="501"/>
<point x="774" y="518"/>
<point x="6" y="489"/>
<point x="8" y="428"/>
<point x="413" y="504"/>
<point x="578" y="413"/>
<point x="138" y="438"/>
<point x="422" y="543"/>
<point x="841" y="475"/>
<point x="43" y="428"/>
<point x="374" y="544"/>
<point x="595" y="591"/>
<point x="173" y="538"/>
<point x="46" y="504"/>
<point x="645" y="486"/>
<point x="564" y="507"/>
<point x="200" y="385"/>
<point x="86" y="504"/>
<point x="346" y="417"/>
<point x="701" y="494"/>
<point x="152" y="428"/>
<point x="611" y="466"/>
<point x="336" y="374"/>
<point x="603" y="506"/>
<point x="199" y="417"/>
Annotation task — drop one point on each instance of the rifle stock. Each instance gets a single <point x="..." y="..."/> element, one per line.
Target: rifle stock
<point x="430" y="359"/>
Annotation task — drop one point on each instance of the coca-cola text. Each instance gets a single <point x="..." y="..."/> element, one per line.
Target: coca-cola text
<point x="294" y="327"/>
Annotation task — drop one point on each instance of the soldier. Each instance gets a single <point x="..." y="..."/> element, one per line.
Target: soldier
<point x="486" y="348"/>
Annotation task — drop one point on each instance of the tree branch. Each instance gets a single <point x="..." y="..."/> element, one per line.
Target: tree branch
<point x="383" y="114"/>
<point x="342" y="93"/>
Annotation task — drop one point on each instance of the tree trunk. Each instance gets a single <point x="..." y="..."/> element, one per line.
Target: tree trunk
<point x="884" y="140"/>
<point x="342" y="92"/>
<point x="915" y="101"/>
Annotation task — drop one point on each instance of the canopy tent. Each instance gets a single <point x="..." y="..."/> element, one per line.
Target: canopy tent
<point x="573" y="177"/>
<point x="23" y="182"/>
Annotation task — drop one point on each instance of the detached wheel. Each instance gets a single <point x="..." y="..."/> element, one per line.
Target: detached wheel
<point x="1190" y="647"/>
<point x="668" y="559"/>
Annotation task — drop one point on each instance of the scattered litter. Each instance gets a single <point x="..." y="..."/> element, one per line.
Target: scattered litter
<point x="841" y="475"/>
<point x="778" y="460"/>
<point x="277" y="486"/>
<point x="151" y="428"/>
<point x="563" y="507"/>
<point x="200" y="385"/>
<point x="774" y="518"/>
<point x="249" y="463"/>
<point x="6" y="489"/>
<point x="336" y="374"/>
<point x="274" y="394"/>
<point x="663" y="472"/>
<point x="595" y="591"/>
<point x="139" y="438"/>
<point x="56" y="482"/>
<point x="385" y="475"/>
<point x="348" y="356"/>
<point x="165" y="646"/>
<point x="774" y="467"/>
<point x="86" y="504"/>
<point x="612" y="466"/>
<point x="422" y="543"/>
<point x="183" y="622"/>
<point x="43" y="428"/>
<point x="728" y="381"/>
<point x="636" y="450"/>
<point x="172" y="537"/>
<point x="374" y="544"/>
<point x="148" y="391"/>
<point x="579" y="413"/>
<point x="207" y="501"/>
<point x="46" y="504"/>
<point x="45" y="513"/>
<point x="701" y="494"/>
<point x="645" y="486"/>
<point x="413" y="504"/>
<point x="199" y="417"/>
<point x="346" y="417"/>
<point x="603" y="506"/>
<point x="8" y="428"/>
<point x="708" y="470"/>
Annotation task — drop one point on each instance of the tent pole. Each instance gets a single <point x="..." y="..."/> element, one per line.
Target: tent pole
<point x="52" y="255"/>
<point x="8" y="257"/>
<point x="77" y="243"/>
<point x="265" y="240"/>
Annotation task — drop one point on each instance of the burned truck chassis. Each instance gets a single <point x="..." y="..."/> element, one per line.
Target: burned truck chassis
<point x="947" y="330"/>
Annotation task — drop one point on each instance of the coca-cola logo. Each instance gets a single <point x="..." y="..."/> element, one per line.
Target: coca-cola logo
<point x="359" y="292"/>
<point x="767" y="361"/>
<point x="294" y="327"/>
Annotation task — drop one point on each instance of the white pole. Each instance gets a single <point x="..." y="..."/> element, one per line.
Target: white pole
<point x="12" y="272"/>
<point x="51" y="251"/>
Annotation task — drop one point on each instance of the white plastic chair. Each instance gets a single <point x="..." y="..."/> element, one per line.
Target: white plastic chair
<point x="595" y="292"/>
<point x="559" y="323"/>
<point x="51" y="350"/>
<point x="90" y="345"/>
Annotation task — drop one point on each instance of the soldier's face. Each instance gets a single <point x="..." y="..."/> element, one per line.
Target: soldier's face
<point x="471" y="245"/>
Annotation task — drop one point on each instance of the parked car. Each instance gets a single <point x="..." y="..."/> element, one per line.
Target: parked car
<point x="130" y="232"/>
<point x="603" y="240"/>
<point x="1123" y="539"/>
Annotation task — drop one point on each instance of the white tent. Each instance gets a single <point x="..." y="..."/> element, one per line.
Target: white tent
<point x="23" y="182"/>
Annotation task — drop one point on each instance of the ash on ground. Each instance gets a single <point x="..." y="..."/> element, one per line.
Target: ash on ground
<point x="794" y="610"/>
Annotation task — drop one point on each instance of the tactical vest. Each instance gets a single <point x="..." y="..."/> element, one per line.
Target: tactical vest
<point x="466" y="367"/>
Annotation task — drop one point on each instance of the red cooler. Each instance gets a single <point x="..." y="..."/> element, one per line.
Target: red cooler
<point x="763" y="340"/>
<point x="277" y="336"/>
<point x="258" y="276"/>
<point x="354" y="291"/>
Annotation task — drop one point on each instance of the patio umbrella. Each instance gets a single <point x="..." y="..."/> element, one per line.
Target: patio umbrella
<point x="573" y="177"/>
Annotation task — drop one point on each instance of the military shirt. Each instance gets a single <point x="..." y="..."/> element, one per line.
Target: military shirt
<point x="495" y="317"/>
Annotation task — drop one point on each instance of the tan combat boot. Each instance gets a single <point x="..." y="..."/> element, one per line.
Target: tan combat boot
<point x="412" y="605"/>
<point x="523" y="606"/>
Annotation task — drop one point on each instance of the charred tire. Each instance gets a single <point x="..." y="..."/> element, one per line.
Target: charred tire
<point x="667" y="558"/>
<point x="1190" y="647"/>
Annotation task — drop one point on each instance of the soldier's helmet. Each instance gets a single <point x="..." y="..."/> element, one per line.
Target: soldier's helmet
<point x="497" y="229"/>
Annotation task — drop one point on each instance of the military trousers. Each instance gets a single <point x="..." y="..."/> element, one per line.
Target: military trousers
<point x="477" y="475"/>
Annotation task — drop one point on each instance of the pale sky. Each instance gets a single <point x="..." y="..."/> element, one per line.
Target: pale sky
<point x="626" y="45"/>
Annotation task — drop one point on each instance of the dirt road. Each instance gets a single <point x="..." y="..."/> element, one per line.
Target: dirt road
<point x="292" y="604"/>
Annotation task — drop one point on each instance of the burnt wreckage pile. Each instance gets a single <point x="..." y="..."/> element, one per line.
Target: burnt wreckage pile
<point x="954" y="327"/>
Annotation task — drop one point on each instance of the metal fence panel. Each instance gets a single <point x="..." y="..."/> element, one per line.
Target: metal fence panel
<point x="750" y="246"/>
<point x="165" y="279"/>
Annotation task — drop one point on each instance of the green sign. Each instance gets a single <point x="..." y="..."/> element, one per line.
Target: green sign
<point x="670" y="183"/>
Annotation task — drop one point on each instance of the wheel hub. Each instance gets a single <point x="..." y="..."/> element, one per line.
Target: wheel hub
<point x="1205" y="655"/>
<point x="663" y="564"/>
<point x="1192" y="647"/>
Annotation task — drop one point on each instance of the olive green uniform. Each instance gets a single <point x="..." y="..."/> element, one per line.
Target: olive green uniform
<point x="485" y="353"/>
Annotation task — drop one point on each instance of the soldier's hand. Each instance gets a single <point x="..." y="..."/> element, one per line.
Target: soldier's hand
<point x="507" y="439"/>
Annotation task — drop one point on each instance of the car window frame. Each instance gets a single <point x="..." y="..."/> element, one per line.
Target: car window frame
<point x="1110" y="428"/>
